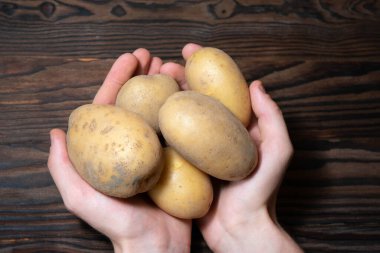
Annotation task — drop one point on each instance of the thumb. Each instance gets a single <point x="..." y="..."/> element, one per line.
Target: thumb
<point x="190" y="49"/>
<point x="62" y="171"/>
<point x="275" y="146"/>
<point x="271" y="123"/>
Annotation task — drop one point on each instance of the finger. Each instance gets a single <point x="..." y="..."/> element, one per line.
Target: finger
<point x="275" y="145"/>
<point x="190" y="49"/>
<point x="177" y="72"/>
<point x="270" y="122"/>
<point x="143" y="57"/>
<point x="155" y="66"/>
<point x="63" y="172"/>
<point x="254" y="131"/>
<point x="122" y="70"/>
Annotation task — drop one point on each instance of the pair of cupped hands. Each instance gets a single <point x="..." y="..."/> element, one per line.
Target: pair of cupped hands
<point x="242" y="217"/>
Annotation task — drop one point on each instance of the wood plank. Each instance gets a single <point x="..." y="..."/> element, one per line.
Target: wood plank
<point x="309" y="12"/>
<point x="274" y="30"/>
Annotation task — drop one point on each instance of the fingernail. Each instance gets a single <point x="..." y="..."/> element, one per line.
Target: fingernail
<point x="261" y="87"/>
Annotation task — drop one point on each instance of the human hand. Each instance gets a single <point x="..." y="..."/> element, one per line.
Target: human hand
<point x="243" y="218"/>
<point x="133" y="224"/>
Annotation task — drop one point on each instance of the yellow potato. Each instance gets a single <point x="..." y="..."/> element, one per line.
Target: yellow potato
<point x="207" y="135"/>
<point x="183" y="191"/>
<point x="114" y="150"/>
<point x="145" y="94"/>
<point x="212" y="72"/>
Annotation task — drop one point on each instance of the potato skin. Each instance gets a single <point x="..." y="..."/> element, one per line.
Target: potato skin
<point x="183" y="191"/>
<point x="207" y="135"/>
<point x="145" y="94"/>
<point x="114" y="150"/>
<point x="212" y="72"/>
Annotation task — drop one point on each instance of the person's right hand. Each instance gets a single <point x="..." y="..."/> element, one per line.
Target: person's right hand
<point x="243" y="218"/>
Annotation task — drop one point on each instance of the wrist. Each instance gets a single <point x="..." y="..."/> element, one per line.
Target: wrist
<point x="257" y="233"/>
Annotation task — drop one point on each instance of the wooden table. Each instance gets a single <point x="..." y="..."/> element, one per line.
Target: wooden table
<point x="319" y="60"/>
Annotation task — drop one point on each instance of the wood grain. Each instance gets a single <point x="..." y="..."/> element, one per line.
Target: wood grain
<point x="319" y="60"/>
<point x="271" y="30"/>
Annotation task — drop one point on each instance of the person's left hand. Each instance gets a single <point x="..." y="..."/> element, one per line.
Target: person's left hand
<point x="133" y="224"/>
<point x="242" y="217"/>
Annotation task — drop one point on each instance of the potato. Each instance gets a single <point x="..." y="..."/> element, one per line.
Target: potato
<point x="114" y="150"/>
<point x="207" y="135"/>
<point x="212" y="72"/>
<point x="183" y="191"/>
<point x="145" y="94"/>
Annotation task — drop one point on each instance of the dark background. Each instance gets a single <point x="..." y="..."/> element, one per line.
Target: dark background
<point x="319" y="60"/>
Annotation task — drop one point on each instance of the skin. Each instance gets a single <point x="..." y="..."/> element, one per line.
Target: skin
<point x="242" y="218"/>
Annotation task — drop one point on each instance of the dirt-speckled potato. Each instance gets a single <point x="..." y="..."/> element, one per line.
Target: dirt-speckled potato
<point x="212" y="72"/>
<point x="183" y="191"/>
<point x="207" y="135"/>
<point x="114" y="150"/>
<point x="145" y="94"/>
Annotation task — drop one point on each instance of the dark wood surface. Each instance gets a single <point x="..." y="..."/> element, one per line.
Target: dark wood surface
<point x="320" y="60"/>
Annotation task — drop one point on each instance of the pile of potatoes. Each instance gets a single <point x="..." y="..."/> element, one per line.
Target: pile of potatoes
<point x="117" y="149"/>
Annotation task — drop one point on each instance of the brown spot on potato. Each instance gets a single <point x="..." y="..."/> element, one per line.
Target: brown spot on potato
<point x="147" y="180"/>
<point x="106" y="147"/>
<point x="106" y="130"/>
<point x="136" y="182"/>
<point x="142" y="182"/>
<point x="85" y="125"/>
<point x="140" y="164"/>
<point x="92" y="125"/>
<point x="137" y="145"/>
<point x="203" y="82"/>
<point x="95" y="150"/>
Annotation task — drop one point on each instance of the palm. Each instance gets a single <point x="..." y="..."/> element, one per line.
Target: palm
<point x="235" y="199"/>
<point x="115" y="217"/>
